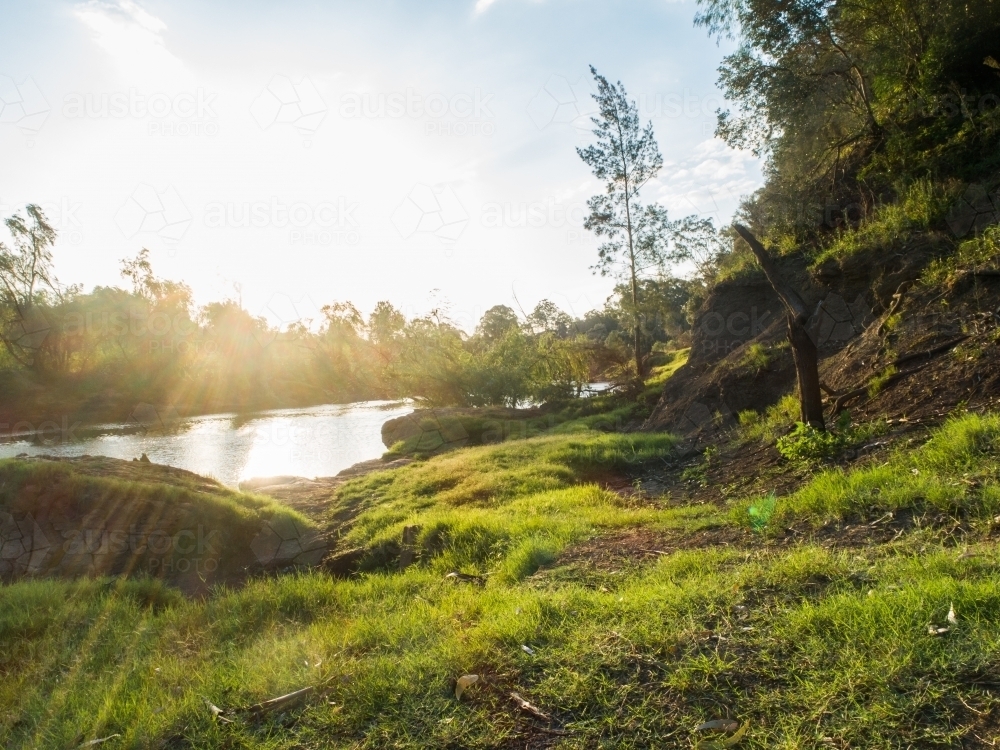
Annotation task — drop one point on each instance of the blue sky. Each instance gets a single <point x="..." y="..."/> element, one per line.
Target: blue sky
<point x="292" y="154"/>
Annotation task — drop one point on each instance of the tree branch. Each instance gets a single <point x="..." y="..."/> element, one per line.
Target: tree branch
<point x="788" y="295"/>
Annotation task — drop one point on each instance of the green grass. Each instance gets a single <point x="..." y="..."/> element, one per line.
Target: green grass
<point x="497" y="497"/>
<point x="662" y="373"/>
<point x="921" y="205"/>
<point x="134" y="484"/>
<point x="955" y="473"/>
<point x="813" y="647"/>
<point x="792" y="642"/>
<point x="981" y="250"/>
<point x="769" y="425"/>
<point x="172" y="519"/>
<point x="605" y="412"/>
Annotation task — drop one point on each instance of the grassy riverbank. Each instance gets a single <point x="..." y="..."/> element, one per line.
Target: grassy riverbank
<point x="627" y="619"/>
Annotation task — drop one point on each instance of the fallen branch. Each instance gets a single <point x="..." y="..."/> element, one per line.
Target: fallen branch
<point x="94" y="743"/>
<point x="466" y="578"/>
<point x="216" y="712"/>
<point x="529" y="708"/>
<point x="282" y="701"/>
<point x="930" y="352"/>
<point x="841" y="403"/>
<point x="897" y="300"/>
<point x="828" y="390"/>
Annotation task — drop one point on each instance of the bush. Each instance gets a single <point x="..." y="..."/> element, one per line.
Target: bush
<point x="806" y="444"/>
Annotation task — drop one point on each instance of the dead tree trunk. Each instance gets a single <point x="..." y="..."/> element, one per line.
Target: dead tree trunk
<point x="804" y="350"/>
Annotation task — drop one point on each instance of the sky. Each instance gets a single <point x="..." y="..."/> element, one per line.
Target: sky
<point x="289" y="155"/>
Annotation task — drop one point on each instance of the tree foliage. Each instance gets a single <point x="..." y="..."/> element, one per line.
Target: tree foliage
<point x="850" y="98"/>
<point x="637" y="238"/>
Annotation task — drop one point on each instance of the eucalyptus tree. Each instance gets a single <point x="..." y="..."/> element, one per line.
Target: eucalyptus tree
<point x="636" y="237"/>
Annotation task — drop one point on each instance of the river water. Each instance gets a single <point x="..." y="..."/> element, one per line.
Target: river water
<point x="317" y="441"/>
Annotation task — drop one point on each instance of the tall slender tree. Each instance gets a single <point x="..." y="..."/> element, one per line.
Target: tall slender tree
<point x="636" y="237"/>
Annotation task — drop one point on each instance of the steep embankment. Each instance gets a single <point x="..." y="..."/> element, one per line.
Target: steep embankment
<point x="880" y="318"/>
<point x="94" y="516"/>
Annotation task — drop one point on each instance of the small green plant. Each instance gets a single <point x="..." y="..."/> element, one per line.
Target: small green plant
<point x="879" y="382"/>
<point x="980" y="250"/>
<point x="921" y="205"/>
<point x="805" y="443"/>
<point x="755" y="357"/>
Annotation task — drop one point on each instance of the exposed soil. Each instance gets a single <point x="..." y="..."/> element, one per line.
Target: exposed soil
<point x="149" y="520"/>
<point x="739" y="358"/>
<point x="615" y="550"/>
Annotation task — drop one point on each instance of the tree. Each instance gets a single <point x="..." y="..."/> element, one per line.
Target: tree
<point x="145" y="284"/>
<point x="548" y="317"/>
<point x="496" y="322"/>
<point x="26" y="276"/>
<point x="847" y="98"/>
<point x="626" y="157"/>
<point x="804" y="350"/>
<point x="385" y="324"/>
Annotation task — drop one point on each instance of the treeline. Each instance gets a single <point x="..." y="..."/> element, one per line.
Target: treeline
<point x="97" y="354"/>
<point x="880" y="113"/>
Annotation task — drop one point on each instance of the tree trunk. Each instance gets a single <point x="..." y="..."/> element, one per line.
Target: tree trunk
<point x="804" y="350"/>
<point x="807" y="371"/>
<point x="636" y="329"/>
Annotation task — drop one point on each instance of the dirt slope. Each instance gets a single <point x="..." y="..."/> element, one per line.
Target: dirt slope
<point x="740" y="357"/>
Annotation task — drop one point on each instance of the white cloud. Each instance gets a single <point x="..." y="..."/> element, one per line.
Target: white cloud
<point x="710" y="182"/>
<point x="132" y="38"/>
<point x="483" y="5"/>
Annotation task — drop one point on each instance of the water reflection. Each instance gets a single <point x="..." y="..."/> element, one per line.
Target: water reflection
<point x="309" y="442"/>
